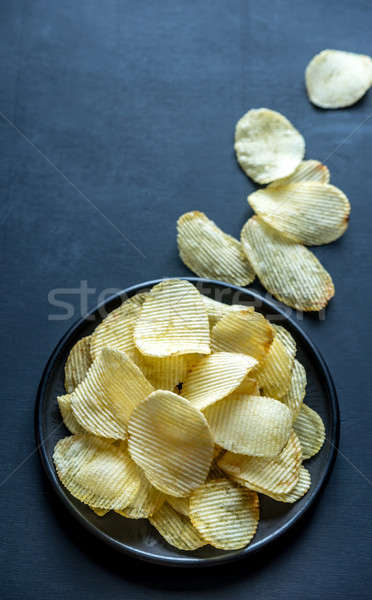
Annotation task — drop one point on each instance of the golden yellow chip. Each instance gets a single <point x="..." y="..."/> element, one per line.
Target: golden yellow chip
<point x="176" y="528"/>
<point x="97" y="472"/>
<point x="167" y="372"/>
<point x="248" y="387"/>
<point x="310" y="430"/>
<point x="286" y="338"/>
<point x="307" y="170"/>
<point x="100" y="512"/>
<point x="216" y="376"/>
<point x="68" y="417"/>
<point x="224" y="514"/>
<point x="103" y="402"/>
<point x="288" y="270"/>
<point x="211" y="253"/>
<point x="216" y="310"/>
<point x="252" y="425"/>
<point x="181" y="505"/>
<point x="275" y="371"/>
<point x="77" y="364"/>
<point x="335" y="79"/>
<point x="267" y="145"/>
<point x="243" y="332"/>
<point x="145" y="503"/>
<point x="309" y="212"/>
<point x="302" y="486"/>
<point x="171" y="441"/>
<point x="297" y="389"/>
<point x="277" y="475"/>
<point x="173" y="320"/>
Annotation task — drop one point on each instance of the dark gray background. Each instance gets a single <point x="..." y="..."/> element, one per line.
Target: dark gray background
<point x="134" y="103"/>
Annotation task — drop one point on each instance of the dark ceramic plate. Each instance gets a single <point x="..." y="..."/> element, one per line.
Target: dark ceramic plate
<point x="137" y="537"/>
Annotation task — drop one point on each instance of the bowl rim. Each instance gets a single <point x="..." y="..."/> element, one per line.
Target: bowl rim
<point x="186" y="561"/>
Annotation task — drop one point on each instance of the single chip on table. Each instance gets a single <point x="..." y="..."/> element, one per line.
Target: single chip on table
<point x="145" y="503"/>
<point x="173" y="320"/>
<point x="97" y="472"/>
<point x="297" y="389"/>
<point x="307" y="170"/>
<point x="302" y="486"/>
<point x="288" y="270"/>
<point x="225" y="515"/>
<point x="253" y="425"/>
<point x="216" y="310"/>
<point x="267" y="145"/>
<point x="310" y="430"/>
<point x="68" y="417"/>
<point x="336" y="79"/>
<point x="275" y="371"/>
<point x="77" y="364"/>
<point x="171" y="441"/>
<point x="216" y="376"/>
<point x="243" y="332"/>
<point x="176" y="528"/>
<point x="276" y="475"/>
<point x="103" y="402"/>
<point x="310" y="212"/>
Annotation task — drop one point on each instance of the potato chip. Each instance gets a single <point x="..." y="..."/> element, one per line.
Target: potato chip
<point x="103" y="402"/>
<point x="68" y="417"/>
<point x="216" y="376"/>
<point x="167" y="372"/>
<point x="97" y="472"/>
<point x="307" y="170"/>
<point x="248" y="387"/>
<point x="253" y="425"/>
<point x="181" y="505"/>
<point x="209" y="252"/>
<point x="116" y="330"/>
<point x="310" y="430"/>
<point x="297" y="390"/>
<point x="336" y="79"/>
<point x="100" y="512"/>
<point x="243" y="332"/>
<point x="302" y="486"/>
<point x="171" y="441"/>
<point x="145" y="503"/>
<point x="267" y="145"/>
<point x="77" y="364"/>
<point x="275" y="372"/>
<point x="173" y="320"/>
<point x="277" y="475"/>
<point x="288" y="270"/>
<point x="216" y="310"/>
<point x="224" y="514"/>
<point x="310" y="212"/>
<point x="176" y="528"/>
<point x="286" y="338"/>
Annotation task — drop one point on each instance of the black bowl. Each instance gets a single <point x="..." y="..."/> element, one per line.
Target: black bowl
<point x="138" y="537"/>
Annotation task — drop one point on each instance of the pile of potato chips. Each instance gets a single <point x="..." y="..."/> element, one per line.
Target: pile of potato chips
<point x="182" y="410"/>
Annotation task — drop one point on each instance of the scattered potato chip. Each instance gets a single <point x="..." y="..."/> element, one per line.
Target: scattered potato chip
<point x="310" y="212"/>
<point x="224" y="514"/>
<point x="176" y="528"/>
<point x="252" y="425"/>
<point x="310" y="430"/>
<point x="297" y="390"/>
<point x="68" y="417"/>
<point x="336" y="79"/>
<point x="209" y="252"/>
<point x="173" y="320"/>
<point x="216" y="310"/>
<point x="100" y="512"/>
<point x="171" y="441"/>
<point x="267" y="145"/>
<point x="145" y="503"/>
<point x="97" y="472"/>
<point x="275" y="371"/>
<point x="288" y="270"/>
<point x="307" y="170"/>
<point x="243" y="332"/>
<point x="216" y="376"/>
<point x="181" y="505"/>
<point x="286" y="338"/>
<point x="277" y="475"/>
<point x="103" y="402"/>
<point x="302" y="486"/>
<point x="77" y="364"/>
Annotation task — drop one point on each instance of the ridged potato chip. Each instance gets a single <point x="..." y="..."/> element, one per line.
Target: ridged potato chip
<point x="145" y="503"/>
<point x="267" y="145"/>
<point x="216" y="376"/>
<point x="277" y="475"/>
<point x="77" y="364"/>
<point x="100" y="512"/>
<point x="300" y="489"/>
<point x="181" y="505"/>
<point x="336" y="79"/>
<point x="167" y="372"/>
<point x="173" y="320"/>
<point x="288" y="270"/>
<point x="224" y="514"/>
<point x="307" y="170"/>
<point x="97" y="472"/>
<point x="209" y="252"/>
<point x="253" y="425"/>
<point x="297" y="389"/>
<point x="68" y="417"/>
<point x="176" y="528"/>
<point x="248" y="387"/>
<point x="310" y="212"/>
<point x="310" y="430"/>
<point x="171" y="441"/>
<point x="243" y="332"/>
<point x="275" y="371"/>
<point x="103" y="402"/>
<point x="216" y="310"/>
<point x="286" y="338"/>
